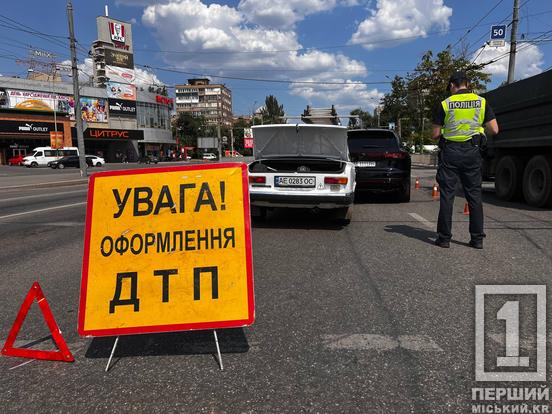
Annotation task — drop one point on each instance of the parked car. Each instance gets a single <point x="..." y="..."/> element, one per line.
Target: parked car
<point x="43" y="156"/>
<point x="70" y="161"/>
<point x="148" y="159"/>
<point x="381" y="163"/>
<point x="95" y="160"/>
<point x="209" y="156"/>
<point x="16" y="160"/>
<point x="302" y="166"/>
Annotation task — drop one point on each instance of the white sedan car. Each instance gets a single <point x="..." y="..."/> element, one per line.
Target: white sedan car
<point x="95" y="160"/>
<point x="302" y="166"/>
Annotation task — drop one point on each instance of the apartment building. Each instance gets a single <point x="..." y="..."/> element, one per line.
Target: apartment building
<point x="201" y="98"/>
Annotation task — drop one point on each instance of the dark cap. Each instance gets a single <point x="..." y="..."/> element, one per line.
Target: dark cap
<point x="458" y="77"/>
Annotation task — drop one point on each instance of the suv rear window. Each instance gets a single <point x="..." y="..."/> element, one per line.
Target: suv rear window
<point x="361" y="141"/>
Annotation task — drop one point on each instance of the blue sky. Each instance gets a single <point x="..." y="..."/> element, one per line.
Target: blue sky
<point x="347" y="49"/>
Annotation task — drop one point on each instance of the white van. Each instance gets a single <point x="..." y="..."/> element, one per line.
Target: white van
<point x="41" y="156"/>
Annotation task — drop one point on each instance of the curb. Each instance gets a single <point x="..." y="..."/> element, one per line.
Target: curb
<point x="46" y="185"/>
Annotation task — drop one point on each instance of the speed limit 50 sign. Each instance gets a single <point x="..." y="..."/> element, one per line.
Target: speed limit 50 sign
<point x="167" y="249"/>
<point x="498" y="35"/>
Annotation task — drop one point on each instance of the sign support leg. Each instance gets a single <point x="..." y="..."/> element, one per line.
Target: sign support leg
<point x="112" y="353"/>
<point x="218" y="350"/>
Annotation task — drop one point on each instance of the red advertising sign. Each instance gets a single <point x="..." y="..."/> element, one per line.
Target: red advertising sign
<point x="247" y="138"/>
<point x="164" y="100"/>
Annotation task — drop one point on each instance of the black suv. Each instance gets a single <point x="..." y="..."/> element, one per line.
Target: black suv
<point x="380" y="162"/>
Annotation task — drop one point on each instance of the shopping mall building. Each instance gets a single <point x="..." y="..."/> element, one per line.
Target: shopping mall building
<point x="114" y="129"/>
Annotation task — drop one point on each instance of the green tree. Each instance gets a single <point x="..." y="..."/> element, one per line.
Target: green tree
<point x="395" y="103"/>
<point x="272" y="112"/>
<point x="187" y="128"/>
<point x="238" y="128"/>
<point x="428" y="85"/>
<point x="367" y="120"/>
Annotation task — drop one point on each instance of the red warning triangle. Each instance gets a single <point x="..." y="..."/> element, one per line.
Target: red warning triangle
<point x="62" y="355"/>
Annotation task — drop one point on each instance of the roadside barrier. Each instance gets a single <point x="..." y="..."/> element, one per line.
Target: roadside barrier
<point x="417" y="185"/>
<point x="435" y="191"/>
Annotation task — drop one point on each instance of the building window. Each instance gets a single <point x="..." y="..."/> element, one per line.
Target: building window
<point x="150" y="115"/>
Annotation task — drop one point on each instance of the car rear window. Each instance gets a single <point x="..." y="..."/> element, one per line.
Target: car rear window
<point x="361" y="141"/>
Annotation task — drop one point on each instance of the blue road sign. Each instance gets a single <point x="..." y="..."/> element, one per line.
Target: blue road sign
<point x="498" y="32"/>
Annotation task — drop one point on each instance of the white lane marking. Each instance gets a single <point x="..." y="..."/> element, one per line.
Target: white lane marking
<point x="42" y="195"/>
<point x="44" y="185"/>
<point x="41" y="210"/>
<point x="422" y="220"/>
<point x="23" y="363"/>
<point x="364" y="342"/>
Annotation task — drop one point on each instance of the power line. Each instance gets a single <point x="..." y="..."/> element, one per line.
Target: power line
<point x="263" y="80"/>
<point x="502" y="21"/>
<point x="478" y="22"/>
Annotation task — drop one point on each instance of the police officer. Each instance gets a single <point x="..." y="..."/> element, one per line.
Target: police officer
<point x="460" y="123"/>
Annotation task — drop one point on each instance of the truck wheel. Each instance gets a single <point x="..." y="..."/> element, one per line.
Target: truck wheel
<point x="508" y="177"/>
<point x="34" y="164"/>
<point x="537" y="181"/>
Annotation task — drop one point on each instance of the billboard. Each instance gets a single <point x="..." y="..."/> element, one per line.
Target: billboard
<point x="93" y="109"/>
<point x="24" y="127"/>
<point x="120" y="75"/>
<point x="116" y="32"/>
<point x="36" y="101"/>
<point x="167" y="249"/>
<point x="120" y="91"/>
<point x="119" y="107"/>
<point x="248" y="138"/>
<point x="118" y="58"/>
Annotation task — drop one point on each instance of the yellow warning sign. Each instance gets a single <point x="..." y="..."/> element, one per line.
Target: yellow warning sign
<point x="167" y="249"/>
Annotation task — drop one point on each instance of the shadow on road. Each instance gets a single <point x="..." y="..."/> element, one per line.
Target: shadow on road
<point x="426" y="236"/>
<point x="174" y="343"/>
<point x="491" y="198"/>
<point x="297" y="218"/>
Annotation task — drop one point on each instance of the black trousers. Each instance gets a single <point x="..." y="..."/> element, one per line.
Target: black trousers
<point x="460" y="161"/>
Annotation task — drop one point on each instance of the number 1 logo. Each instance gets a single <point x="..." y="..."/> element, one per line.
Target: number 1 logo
<point x="509" y="312"/>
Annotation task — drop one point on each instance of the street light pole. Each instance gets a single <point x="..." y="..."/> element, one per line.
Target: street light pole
<point x="76" y="92"/>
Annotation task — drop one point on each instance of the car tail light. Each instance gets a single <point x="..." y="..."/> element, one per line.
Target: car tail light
<point x="336" y="180"/>
<point x="257" y="179"/>
<point x="395" y="155"/>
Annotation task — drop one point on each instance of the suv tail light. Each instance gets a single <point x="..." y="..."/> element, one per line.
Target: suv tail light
<point x="257" y="179"/>
<point x="395" y="155"/>
<point x="336" y="180"/>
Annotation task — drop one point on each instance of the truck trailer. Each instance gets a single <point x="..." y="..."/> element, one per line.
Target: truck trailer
<point x="519" y="158"/>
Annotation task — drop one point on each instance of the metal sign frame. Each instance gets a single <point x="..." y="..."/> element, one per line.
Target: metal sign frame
<point x="171" y="327"/>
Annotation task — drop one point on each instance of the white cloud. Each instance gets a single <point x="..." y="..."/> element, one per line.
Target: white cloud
<point x="217" y="39"/>
<point x="529" y="60"/>
<point x="345" y="97"/>
<point x="394" y="22"/>
<point x="282" y="14"/>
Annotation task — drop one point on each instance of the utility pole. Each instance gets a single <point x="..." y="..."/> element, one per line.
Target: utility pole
<point x="232" y="140"/>
<point x="219" y="141"/>
<point x="513" y="42"/>
<point x="76" y="92"/>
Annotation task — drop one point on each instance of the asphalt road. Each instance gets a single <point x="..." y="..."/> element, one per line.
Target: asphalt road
<point x="367" y="318"/>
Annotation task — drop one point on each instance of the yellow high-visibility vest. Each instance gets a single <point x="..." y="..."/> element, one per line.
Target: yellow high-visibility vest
<point x="464" y="115"/>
